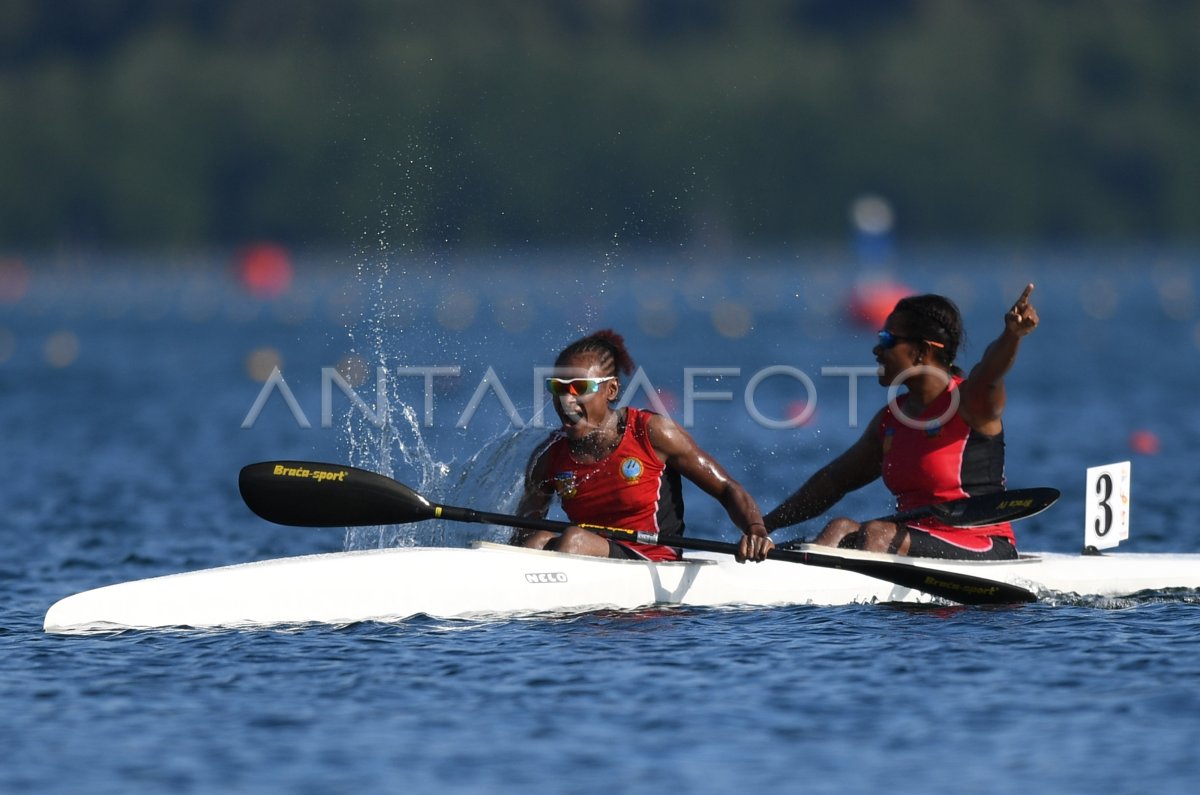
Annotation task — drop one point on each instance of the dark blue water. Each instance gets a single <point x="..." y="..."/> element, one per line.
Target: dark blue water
<point x="125" y="385"/>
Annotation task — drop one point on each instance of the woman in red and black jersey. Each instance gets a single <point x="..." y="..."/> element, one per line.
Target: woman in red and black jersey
<point x="621" y="467"/>
<point x="942" y="440"/>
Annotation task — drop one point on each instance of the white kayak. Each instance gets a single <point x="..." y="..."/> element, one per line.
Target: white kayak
<point x="488" y="580"/>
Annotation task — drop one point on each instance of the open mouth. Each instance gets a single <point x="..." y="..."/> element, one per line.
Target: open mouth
<point x="570" y="417"/>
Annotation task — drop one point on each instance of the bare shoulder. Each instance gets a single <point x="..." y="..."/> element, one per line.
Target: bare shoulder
<point x="666" y="435"/>
<point x="659" y="423"/>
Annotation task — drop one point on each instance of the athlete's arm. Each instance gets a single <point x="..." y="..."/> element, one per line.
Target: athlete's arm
<point x="983" y="393"/>
<point x="679" y="451"/>
<point x="537" y="493"/>
<point x="861" y="464"/>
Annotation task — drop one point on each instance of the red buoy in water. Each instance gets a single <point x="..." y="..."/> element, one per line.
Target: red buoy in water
<point x="265" y="270"/>
<point x="1144" y="442"/>
<point x="872" y="300"/>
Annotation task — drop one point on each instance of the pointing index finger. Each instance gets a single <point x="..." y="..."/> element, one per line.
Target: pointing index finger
<point x="1024" y="299"/>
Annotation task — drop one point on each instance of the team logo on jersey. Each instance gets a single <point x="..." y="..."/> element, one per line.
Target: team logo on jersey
<point x="631" y="469"/>
<point x="566" y="485"/>
<point x="888" y="433"/>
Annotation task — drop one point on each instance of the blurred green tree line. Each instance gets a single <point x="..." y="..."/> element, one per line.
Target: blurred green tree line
<point x="405" y="122"/>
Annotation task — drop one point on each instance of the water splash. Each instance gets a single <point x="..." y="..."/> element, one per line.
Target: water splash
<point x="393" y="276"/>
<point x="394" y="437"/>
<point x="1188" y="596"/>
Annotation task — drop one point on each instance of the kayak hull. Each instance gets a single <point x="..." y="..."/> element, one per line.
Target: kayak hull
<point x="494" y="580"/>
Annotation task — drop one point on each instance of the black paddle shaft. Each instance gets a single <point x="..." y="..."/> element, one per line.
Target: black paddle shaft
<point x="307" y="494"/>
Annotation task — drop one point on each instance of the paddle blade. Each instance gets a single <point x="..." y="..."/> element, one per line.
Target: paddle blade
<point x="986" y="509"/>
<point x="953" y="586"/>
<point x="310" y="494"/>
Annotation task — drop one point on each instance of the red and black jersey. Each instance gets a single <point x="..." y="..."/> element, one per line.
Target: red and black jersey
<point x="629" y="488"/>
<point x="938" y="457"/>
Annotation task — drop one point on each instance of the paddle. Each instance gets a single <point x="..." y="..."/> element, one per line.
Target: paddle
<point x="985" y="509"/>
<point x="308" y="494"/>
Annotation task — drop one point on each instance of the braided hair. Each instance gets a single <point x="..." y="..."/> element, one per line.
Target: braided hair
<point x="934" y="317"/>
<point x="608" y="347"/>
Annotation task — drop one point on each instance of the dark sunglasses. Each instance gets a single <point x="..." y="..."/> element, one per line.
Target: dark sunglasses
<point x="888" y="340"/>
<point x="575" y="386"/>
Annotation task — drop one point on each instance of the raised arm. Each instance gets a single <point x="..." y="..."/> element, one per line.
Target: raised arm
<point x="853" y="469"/>
<point x="983" y="393"/>
<point x="680" y="452"/>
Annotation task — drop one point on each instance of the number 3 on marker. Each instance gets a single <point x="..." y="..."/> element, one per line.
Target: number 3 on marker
<point x="1106" y="515"/>
<point x="1104" y="486"/>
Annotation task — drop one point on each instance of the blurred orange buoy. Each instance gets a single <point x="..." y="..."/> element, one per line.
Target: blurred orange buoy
<point x="872" y="300"/>
<point x="265" y="270"/>
<point x="669" y="401"/>
<point x="1144" y="442"/>
<point x="14" y="280"/>
<point x="798" y="411"/>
